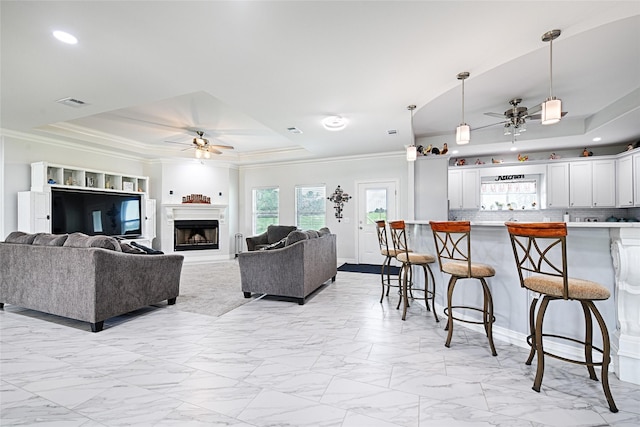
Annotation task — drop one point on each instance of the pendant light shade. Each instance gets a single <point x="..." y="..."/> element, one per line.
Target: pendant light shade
<point x="412" y="152"/>
<point x="551" y="107"/>
<point x="463" y="132"/>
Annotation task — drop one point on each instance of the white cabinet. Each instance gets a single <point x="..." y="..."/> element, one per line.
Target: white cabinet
<point x="455" y="189"/>
<point x="464" y="189"/>
<point x="624" y="187"/>
<point x="580" y="191"/>
<point x="636" y="179"/>
<point x="34" y="212"/>
<point x="44" y="175"/>
<point x="603" y="183"/>
<point x="557" y="185"/>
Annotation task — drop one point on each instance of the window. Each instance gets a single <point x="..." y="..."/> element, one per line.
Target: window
<point x="266" y="207"/>
<point x="520" y="193"/>
<point x="311" y="206"/>
<point x="376" y="204"/>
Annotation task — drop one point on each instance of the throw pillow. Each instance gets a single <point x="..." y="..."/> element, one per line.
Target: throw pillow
<point x="47" y="239"/>
<point x="148" y="250"/>
<point x="324" y="231"/>
<point x="128" y="249"/>
<point x="20" y="237"/>
<point x="296" y="236"/>
<point x="312" y="234"/>
<point x="277" y="245"/>
<point x="81" y="240"/>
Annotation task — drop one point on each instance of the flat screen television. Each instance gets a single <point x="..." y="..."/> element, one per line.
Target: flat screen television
<point x="95" y="212"/>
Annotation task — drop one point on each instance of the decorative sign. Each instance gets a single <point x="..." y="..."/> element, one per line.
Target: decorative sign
<point x="508" y="177"/>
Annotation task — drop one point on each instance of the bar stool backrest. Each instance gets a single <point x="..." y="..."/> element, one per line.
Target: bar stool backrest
<point x="540" y="248"/>
<point x="381" y="228"/>
<point x="399" y="236"/>
<point x="453" y="241"/>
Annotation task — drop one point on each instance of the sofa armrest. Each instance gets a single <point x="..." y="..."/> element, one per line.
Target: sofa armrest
<point x="254" y="241"/>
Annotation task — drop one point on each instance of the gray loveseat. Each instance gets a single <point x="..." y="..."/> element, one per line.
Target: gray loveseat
<point x="73" y="278"/>
<point x="306" y="260"/>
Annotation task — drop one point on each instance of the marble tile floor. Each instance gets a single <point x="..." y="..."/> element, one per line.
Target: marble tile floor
<point x="343" y="359"/>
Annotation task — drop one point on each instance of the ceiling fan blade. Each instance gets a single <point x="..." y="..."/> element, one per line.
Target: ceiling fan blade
<point x="488" y="126"/>
<point x="175" y="142"/>
<point x="224" y="147"/>
<point x="213" y="150"/>
<point x="498" y="115"/>
<point x="539" y="116"/>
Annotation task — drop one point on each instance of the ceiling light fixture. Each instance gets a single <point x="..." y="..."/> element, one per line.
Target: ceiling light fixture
<point x="551" y="107"/>
<point x="334" y="123"/>
<point x="65" y="37"/>
<point x="412" y="152"/>
<point x="463" y="132"/>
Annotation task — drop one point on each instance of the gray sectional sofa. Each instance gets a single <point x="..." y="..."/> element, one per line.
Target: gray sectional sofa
<point x="294" y="268"/>
<point x="87" y="278"/>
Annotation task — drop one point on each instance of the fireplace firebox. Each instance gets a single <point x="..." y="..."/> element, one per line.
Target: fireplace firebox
<point x="190" y="235"/>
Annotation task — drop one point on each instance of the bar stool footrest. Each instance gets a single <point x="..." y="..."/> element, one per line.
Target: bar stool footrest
<point x="463" y="307"/>
<point x="556" y="356"/>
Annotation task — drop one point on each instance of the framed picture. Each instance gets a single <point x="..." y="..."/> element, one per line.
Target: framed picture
<point x="127" y="186"/>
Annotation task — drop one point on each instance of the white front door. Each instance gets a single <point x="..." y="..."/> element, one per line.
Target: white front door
<point x="376" y="201"/>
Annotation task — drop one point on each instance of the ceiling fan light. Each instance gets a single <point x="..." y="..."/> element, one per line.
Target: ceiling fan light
<point x="198" y="153"/>
<point x="551" y="111"/>
<point x="412" y="153"/>
<point x="463" y="134"/>
<point x="207" y="154"/>
<point x="200" y="141"/>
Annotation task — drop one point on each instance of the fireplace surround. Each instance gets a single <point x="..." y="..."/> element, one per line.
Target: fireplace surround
<point x="190" y="235"/>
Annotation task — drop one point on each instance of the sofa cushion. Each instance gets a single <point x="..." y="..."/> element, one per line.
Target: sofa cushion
<point x="20" y="237"/>
<point x="277" y="245"/>
<point x="275" y="233"/>
<point x="81" y="240"/>
<point x="47" y="239"/>
<point x="296" y="236"/>
<point x="324" y="231"/>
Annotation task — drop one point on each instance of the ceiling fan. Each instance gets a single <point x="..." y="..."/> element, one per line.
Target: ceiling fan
<point x="203" y="147"/>
<point x="515" y="118"/>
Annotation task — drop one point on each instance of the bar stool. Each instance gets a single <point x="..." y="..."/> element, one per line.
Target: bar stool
<point x="389" y="254"/>
<point x="409" y="258"/>
<point x="453" y="243"/>
<point x="540" y="251"/>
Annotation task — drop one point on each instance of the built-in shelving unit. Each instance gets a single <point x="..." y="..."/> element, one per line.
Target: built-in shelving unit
<point x="46" y="175"/>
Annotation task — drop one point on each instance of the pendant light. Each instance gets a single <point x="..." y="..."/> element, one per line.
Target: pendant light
<point x="412" y="152"/>
<point x="551" y="107"/>
<point x="463" y="132"/>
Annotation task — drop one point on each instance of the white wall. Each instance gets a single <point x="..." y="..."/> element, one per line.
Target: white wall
<point x="19" y="153"/>
<point x="344" y="172"/>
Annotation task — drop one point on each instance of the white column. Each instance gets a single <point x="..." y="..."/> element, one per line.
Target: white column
<point x="625" y="250"/>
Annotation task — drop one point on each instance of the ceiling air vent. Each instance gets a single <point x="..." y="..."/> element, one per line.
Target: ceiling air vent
<point x="71" y="102"/>
<point x="294" y="130"/>
<point x="392" y="131"/>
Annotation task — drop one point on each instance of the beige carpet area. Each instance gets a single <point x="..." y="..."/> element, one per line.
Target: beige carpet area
<point x="212" y="289"/>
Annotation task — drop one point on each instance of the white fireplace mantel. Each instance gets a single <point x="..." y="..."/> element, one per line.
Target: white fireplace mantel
<point x="186" y="211"/>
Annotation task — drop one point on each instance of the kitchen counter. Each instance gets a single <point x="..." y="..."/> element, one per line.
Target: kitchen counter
<point x="604" y="252"/>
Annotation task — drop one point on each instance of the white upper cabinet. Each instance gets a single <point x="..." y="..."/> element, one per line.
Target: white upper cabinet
<point x="464" y="189"/>
<point x="580" y="191"/>
<point x="636" y="179"/>
<point x="557" y="185"/>
<point x="604" y="183"/>
<point x="624" y="187"/>
<point x="455" y="189"/>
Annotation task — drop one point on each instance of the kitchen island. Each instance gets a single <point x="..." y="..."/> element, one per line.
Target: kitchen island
<point x="604" y="252"/>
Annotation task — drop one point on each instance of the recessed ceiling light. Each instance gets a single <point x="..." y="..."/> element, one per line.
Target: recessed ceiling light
<point x="513" y="148"/>
<point x="65" y="37"/>
<point x="455" y="152"/>
<point x="334" y="123"/>
<point x="597" y="139"/>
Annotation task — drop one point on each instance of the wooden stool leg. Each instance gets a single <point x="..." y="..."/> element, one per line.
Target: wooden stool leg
<point x="538" y="340"/>
<point x="588" y="341"/>
<point x="449" y="327"/>
<point x="488" y="315"/>
<point x="382" y="278"/>
<point x="606" y="356"/>
<point x="405" y="290"/>
<point x="532" y="329"/>
<point x="433" y="292"/>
